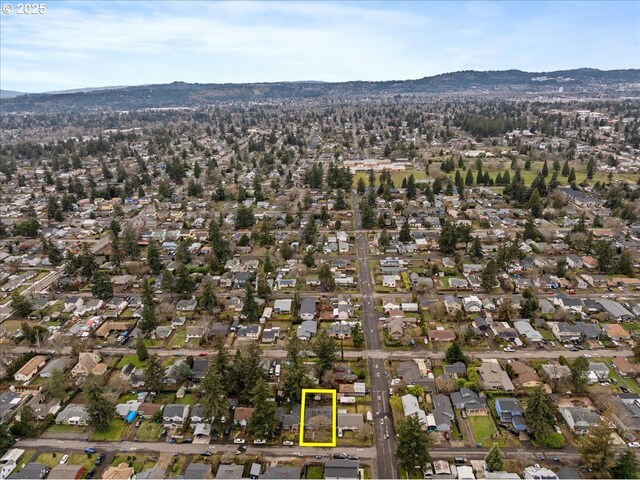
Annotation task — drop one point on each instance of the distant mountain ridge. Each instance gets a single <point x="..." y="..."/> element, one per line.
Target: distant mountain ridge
<point x="181" y="94"/>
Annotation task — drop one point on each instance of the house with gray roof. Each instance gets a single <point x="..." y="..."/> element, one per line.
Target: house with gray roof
<point x="229" y="472"/>
<point x="579" y="419"/>
<point x="341" y="470"/>
<point x="307" y="329"/>
<point x="442" y="412"/>
<point x="466" y="399"/>
<point x="281" y="473"/>
<point x="174" y="414"/>
<point x="308" y="308"/>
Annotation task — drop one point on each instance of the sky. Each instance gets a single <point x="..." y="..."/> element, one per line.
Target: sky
<point x="79" y="44"/>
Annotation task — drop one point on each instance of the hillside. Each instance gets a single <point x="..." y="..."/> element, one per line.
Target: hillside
<point x="180" y="94"/>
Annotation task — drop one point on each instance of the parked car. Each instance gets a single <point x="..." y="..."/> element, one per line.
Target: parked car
<point x="206" y="454"/>
<point x="64" y="459"/>
<point x="287" y="443"/>
<point x="89" y="450"/>
<point x="91" y="473"/>
<point x="259" y="441"/>
<point x="138" y="423"/>
<point x="239" y="441"/>
<point x="241" y="449"/>
<point x="100" y="459"/>
<point x="634" y="444"/>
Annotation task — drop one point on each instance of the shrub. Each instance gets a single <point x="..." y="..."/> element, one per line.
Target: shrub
<point x="552" y="440"/>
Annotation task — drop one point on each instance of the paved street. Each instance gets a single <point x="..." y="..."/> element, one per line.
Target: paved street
<point x="384" y="433"/>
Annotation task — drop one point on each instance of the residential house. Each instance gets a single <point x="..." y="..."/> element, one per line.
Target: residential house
<point x="307" y="329"/>
<point x="470" y="401"/>
<point x="281" y="473"/>
<point x="66" y="472"/>
<point x="395" y="328"/>
<point x="341" y="470"/>
<point x="308" y="308"/>
<point x="411" y="407"/>
<point x="340" y="330"/>
<point x="625" y="368"/>
<point x="523" y="375"/>
<point x="175" y="414"/>
<point x="555" y="371"/>
<point x="43" y="407"/>
<point x="456" y="370"/>
<point x="510" y="412"/>
<point x="616" y="332"/>
<point x="389" y="281"/>
<point x="87" y="363"/>
<point x="241" y="415"/>
<point x="198" y="471"/>
<point x="536" y="472"/>
<point x="229" y="472"/>
<point x="579" y="419"/>
<point x="282" y="305"/>
<point x="442" y="335"/>
<point x="120" y="472"/>
<point x="494" y="378"/>
<point x="597" y="372"/>
<point x="187" y="305"/>
<point x="616" y="311"/>
<point x="29" y="369"/>
<point x="442" y="412"/>
<point x="31" y="471"/>
<point x="524" y="328"/>
<point x="73" y="414"/>
<point x="60" y="363"/>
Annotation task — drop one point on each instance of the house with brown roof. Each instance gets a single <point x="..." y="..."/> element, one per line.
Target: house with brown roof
<point x="626" y="368"/>
<point x="29" y="369"/>
<point x="109" y="326"/>
<point x="241" y="415"/>
<point x="616" y="331"/>
<point x="65" y="472"/>
<point x="88" y="362"/>
<point x="442" y="335"/>
<point x="148" y="410"/>
<point x="122" y="472"/>
<point x="524" y="376"/>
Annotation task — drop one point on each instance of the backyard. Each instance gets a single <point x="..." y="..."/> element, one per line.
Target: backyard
<point x="484" y="431"/>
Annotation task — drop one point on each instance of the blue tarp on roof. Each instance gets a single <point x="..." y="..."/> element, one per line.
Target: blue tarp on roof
<point x="131" y="416"/>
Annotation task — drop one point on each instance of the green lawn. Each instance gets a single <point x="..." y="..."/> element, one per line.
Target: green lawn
<point x="138" y="462"/>
<point x="127" y="359"/>
<point x="397" y="177"/>
<point x="24" y="460"/>
<point x="314" y="471"/>
<point x="65" y="429"/>
<point x="178" y="338"/>
<point x="85" y="459"/>
<point x="50" y="459"/>
<point x="483" y="429"/>
<point x="149" y="431"/>
<point x="113" y="433"/>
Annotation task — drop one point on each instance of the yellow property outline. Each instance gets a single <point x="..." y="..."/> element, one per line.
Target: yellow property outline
<point x="334" y="415"/>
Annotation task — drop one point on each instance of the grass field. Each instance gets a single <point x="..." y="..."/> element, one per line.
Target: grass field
<point x="314" y="471"/>
<point x="397" y="177"/>
<point x="113" y="433"/>
<point x="149" y="431"/>
<point x="127" y="359"/>
<point x="483" y="429"/>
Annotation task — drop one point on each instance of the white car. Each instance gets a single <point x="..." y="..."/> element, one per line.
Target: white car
<point x="259" y="441"/>
<point x="287" y="443"/>
<point x="64" y="459"/>
<point x="239" y="441"/>
<point x="634" y="444"/>
<point x="586" y="355"/>
<point x="508" y="349"/>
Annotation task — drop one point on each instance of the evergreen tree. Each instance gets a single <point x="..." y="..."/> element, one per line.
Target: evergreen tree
<point x="579" y="369"/>
<point x="596" y="448"/>
<point x="384" y="240"/>
<point x="294" y="377"/>
<point x="141" y="350"/>
<point x="357" y="336"/>
<point x="572" y="175"/>
<point x="411" y="188"/>
<point x="361" y="187"/>
<point x="545" y="170"/>
<point x="340" y="203"/>
<point x="626" y="466"/>
<point x="208" y="300"/>
<point x="476" y="248"/>
<point x="214" y="400"/>
<point x="285" y="251"/>
<point x="129" y="242"/>
<point x="263" y="420"/>
<point x="310" y="232"/>
<point x="57" y="384"/>
<point x="535" y="203"/>
<point x="99" y="408"/>
<point x="489" y="276"/>
<point x="326" y="351"/>
<point x="413" y="444"/>
<point x="20" y="305"/>
<point x="326" y="277"/>
<point x="153" y="258"/>
<point x="468" y="181"/>
<point x="625" y="263"/>
<point x="368" y="215"/>
<point x="405" y="233"/>
<point x="565" y="169"/>
<point x="494" y="460"/>
<point x="540" y="413"/>
<point x="250" y="308"/>
<point x="455" y="354"/>
<point x="153" y="374"/>
<point x="447" y="240"/>
<point x="591" y="168"/>
<point x="101" y="286"/>
<point x="308" y="259"/>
